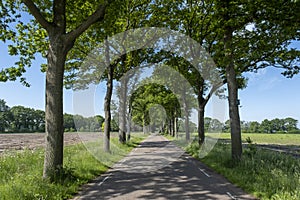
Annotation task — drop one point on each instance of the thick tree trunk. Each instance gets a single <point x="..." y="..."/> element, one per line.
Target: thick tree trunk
<point x="167" y="127"/>
<point x="129" y="125"/>
<point x="107" y="100"/>
<point x="60" y="45"/>
<point x="107" y="121"/>
<point x="236" y="141"/>
<point x="122" y="111"/>
<point x="187" y="129"/>
<point x="53" y="161"/>
<point x="175" y="126"/>
<point x="163" y="129"/>
<point x="170" y="126"/>
<point x="201" y="133"/>
<point x="187" y="120"/>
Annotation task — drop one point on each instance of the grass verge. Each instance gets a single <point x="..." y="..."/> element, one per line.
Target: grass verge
<point x="21" y="172"/>
<point x="263" y="138"/>
<point x="265" y="174"/>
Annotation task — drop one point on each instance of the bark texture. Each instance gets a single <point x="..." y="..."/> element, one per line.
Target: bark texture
<point x="60" y="43"/>
<point x="54" y="116"/>
<point x="122" y="110"/>
<point x="107" y="107"/>
<point x="236" y="141"/>
<point x="201" y="133"/>
<point x="56" y="59"/>
<point x="107" y="112"/>
<point x="54" y="108"/>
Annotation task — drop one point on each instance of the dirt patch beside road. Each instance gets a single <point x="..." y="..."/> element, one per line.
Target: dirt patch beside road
<point x="31" y="141"/>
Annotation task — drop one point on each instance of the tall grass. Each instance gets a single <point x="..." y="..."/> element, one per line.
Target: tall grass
<point x="266" y="174"/>
<point x="21" y="172"/>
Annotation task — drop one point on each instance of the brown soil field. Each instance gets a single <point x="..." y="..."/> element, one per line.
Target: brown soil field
<point x="21" y="141"/>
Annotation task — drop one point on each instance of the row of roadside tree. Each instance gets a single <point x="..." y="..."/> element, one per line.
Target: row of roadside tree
<point x="240" y="36"/>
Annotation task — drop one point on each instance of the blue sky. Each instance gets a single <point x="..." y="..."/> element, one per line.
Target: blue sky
<point x="268" y="95"/>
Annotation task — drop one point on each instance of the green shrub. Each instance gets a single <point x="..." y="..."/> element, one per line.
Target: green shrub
<point x="294" y="132"/>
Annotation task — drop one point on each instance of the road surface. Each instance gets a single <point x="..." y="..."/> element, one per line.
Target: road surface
<point x="157" y="169"/>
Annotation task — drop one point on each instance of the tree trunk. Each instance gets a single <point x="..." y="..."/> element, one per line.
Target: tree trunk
<point x="187" y="129"/>
<point x="170" y="126"/>
<point x="186" y="121"/>
<point x="60" y="44"/>
<point x="167" y="127"/>
<point x="236" y="141"/>
<point x="122" y="111"/>
<point x="175" y="126"/>
<point x="129" y="125"/>
<point x="201" y="133"/>
<point x="53" y="160"/>
<point x="107" y="101"/>
<point x="144" y="125"/>
<point x="107" y="121"/>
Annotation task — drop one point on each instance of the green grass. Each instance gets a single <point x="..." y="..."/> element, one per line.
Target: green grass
<point x="265" y="174"/>
<point x="21" y="172"/>
<point x="260" y="138"/>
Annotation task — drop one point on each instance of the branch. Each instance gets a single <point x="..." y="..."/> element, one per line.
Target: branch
<point x="98" y="15"/>
<point x="59" y="10"/>
<point x="213" y="89"/>
<point x="262" y="59"/>
<point x="37" y="14"/>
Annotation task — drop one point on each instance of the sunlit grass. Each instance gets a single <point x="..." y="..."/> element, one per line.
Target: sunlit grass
<point x="21" y="172"/>
<point x="265" y="174"/>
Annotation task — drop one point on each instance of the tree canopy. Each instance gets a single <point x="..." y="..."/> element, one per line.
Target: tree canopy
<point x="241" y="36"/>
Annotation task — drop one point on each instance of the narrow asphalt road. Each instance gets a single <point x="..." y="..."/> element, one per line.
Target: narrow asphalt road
<point x="157" y="169"/>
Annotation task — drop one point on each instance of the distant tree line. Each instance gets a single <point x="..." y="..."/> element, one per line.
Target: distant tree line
<point x="82" y="124"/>
<point x="19" y="119"/>
<point x="286" y="125"/>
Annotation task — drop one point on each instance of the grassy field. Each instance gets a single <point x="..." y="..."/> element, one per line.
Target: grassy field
<point x="21" y="172"/>
<point x="260" y="138"/>
<point x="263" y="173"/>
